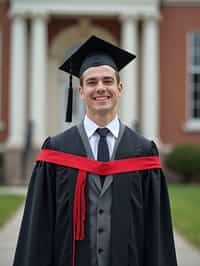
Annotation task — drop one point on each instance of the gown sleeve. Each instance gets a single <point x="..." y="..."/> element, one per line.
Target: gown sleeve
<point x="159" y="248"/>
<point x="35" y="241"/>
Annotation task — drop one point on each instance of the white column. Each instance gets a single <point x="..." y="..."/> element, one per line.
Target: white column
<point x="17" y="82"/>
<point x="129" y="100"/>
<point x="39" y="78"/>
<point x="150" y="74"/>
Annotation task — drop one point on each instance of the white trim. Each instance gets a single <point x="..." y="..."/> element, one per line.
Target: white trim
<point x="192" y="126"/>
<point x="84" y="9"/>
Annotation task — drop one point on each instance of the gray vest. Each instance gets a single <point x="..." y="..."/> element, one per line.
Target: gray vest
<point x="100" y="202"/>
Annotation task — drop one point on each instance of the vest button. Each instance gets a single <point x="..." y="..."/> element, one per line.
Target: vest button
<point x="101" y="211"/>
<point x="100" y="250"/>
<point x="100" y="230"/>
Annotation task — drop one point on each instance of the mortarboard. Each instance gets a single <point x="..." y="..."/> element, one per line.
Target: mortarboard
<point x="93" y="52"/>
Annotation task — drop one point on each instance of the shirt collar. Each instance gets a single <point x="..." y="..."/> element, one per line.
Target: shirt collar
<point x="91" y="126"/>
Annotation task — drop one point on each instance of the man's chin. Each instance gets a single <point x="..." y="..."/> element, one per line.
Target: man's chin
<point x="103" y="110"/>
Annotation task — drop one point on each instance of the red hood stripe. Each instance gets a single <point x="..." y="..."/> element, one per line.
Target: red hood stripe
<point x="96" y="167"/>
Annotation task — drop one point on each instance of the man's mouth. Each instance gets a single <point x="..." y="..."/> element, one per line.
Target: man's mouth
<point x="101" y="98"/>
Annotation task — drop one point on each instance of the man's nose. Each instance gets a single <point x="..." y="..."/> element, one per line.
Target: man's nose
<point x="100" y="87"/>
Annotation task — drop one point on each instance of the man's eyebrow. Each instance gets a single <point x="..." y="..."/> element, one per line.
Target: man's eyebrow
<point x="96" y="78"/>
<point x="90" y="78"/>
<point x="108" y="77"/>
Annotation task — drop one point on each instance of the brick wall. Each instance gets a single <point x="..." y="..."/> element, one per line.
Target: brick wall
<point x="174" y="25"/>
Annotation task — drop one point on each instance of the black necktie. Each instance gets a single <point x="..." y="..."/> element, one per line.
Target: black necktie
<point x="103" y="152"/>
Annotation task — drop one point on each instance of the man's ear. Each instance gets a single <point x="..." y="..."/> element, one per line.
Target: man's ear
<point x="120" y="87"/>
<point x="80" y="90"/>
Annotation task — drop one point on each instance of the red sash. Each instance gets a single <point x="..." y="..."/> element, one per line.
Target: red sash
<point x="86" y="165"/>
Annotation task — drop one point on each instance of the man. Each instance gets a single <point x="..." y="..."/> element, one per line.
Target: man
<point x="97" y="195"/>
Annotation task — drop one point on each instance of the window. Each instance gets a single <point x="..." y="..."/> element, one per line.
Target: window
<point x="194" y="80"/>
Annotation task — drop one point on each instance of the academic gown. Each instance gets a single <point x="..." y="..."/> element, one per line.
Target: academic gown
<point x="141" y="228"/>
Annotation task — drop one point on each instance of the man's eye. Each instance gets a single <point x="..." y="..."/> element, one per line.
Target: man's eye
<point x="91" y="82"/>
<point x="108" y="81"/>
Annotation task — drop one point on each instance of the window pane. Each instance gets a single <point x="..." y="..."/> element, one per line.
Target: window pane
<point x="196" y="80"/>
<point x="194" y="74"/>
<point x="196" y="48"/>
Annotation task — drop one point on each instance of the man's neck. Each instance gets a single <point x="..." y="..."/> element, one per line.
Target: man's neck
<point x="102" y="120"/>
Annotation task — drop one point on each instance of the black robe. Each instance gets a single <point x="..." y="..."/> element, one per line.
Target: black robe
<point x="141" y="228"/>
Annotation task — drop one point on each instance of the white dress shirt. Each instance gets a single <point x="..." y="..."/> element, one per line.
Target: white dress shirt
<point x="91" y="127"/>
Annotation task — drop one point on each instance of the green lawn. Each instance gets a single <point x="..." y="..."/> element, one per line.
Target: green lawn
<point x="8" y="206"/>
<point x="185" y="204"/>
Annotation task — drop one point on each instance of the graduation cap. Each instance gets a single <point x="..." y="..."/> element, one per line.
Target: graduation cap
<point x="93" y="52"/>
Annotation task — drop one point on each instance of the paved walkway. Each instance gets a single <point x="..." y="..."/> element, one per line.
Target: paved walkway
<point x="13" y="190"/>
<point x="187" y="255"/>
<point x="8" y="239"/>
<point x="9" y="232"/>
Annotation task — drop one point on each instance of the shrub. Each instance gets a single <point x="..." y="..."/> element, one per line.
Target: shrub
<point x="184" y="159"/>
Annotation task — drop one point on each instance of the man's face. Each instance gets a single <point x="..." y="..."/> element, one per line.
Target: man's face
<point x="100" y="90"/>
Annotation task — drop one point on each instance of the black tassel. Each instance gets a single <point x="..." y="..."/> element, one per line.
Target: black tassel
<point x="70" y="101"/>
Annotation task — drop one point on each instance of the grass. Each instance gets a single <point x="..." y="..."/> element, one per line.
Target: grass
<point x="8" y="206"/>
<point x="185" y="205"/>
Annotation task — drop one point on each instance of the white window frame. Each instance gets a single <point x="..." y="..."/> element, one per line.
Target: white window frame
<point x="192" y="124"/>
